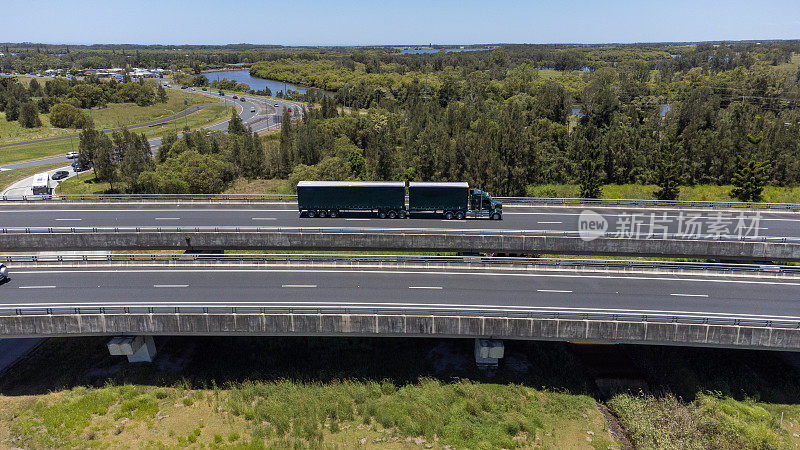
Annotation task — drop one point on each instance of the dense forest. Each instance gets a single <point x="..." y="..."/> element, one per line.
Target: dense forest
<point x="522" y="115"/>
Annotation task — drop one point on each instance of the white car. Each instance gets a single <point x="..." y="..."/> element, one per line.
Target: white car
<point x="72" y="155"/>
<point x="252" y="110"/>
<point x="3" y="273"/>
<point x="277" y="105"/>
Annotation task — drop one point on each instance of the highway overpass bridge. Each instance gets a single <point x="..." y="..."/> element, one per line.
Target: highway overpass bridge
<point x="530" y="226"/>
<point x="487" y="299"/>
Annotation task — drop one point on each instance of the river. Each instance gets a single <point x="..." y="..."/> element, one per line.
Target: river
<point x="257" y="84"/>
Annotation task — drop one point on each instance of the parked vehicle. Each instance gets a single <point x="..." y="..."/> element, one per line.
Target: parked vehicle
<point x="387" y="199"/>
<point x="41" y="184"/>
<point x="3" y="273"/>
<point x="60" y="175"/>
<point x="72" y="155"/>
<point x="80" y="167"/>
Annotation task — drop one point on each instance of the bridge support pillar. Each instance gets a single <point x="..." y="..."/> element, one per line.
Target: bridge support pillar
<point x="488" y="352"/>
<point x="136" y="348"/>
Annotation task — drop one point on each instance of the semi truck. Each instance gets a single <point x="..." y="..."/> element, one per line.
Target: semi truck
<point x="387" y="199"/>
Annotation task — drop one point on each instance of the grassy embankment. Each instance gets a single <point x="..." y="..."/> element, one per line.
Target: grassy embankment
<point x="286" y="393"/>
<point x="205" y="116"/>
<point x="115" y="115"/>
<point x="8" y="177"/>
<point x="395" y="393"/>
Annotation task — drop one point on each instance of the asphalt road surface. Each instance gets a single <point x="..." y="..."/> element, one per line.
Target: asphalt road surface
<point x="278" y="214"/>
<point x="654" y="293"/>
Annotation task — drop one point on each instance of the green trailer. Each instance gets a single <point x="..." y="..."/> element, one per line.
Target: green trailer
<point x="454" y="200"/>
<point x="330" y="198"/>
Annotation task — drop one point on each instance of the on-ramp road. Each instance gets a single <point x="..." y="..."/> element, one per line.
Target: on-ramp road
<point x="265" y="116"/>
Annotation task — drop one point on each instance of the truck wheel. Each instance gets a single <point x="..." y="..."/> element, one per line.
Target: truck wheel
<point x="311" y="213"/>
<point x="381" y="214"/>
<point x="323" y="214"/>
<point x="392" y="215"/>
<point x="334" y="214"/>
<point x="448" y="215"/>
<point x="459" y="215"/>
<point x="496" y="216"/>
<point x="402" y="214"/>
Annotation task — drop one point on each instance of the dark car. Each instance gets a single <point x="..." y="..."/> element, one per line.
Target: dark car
<point x="243" y="99"/>
<point x="184" y="87"/>
<point x="205" y="89"/>
<point x="60" y="175"/>
<point x="80" y="167"/>
<point x="235" y="97"/>
<point x="221" y="93"/>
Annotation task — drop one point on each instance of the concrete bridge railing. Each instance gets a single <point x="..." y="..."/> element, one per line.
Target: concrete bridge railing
<point x="684" y="330"/>
<point x="395" y="239"/>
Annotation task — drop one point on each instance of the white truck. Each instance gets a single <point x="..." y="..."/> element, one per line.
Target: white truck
<point x="41" y="184"/>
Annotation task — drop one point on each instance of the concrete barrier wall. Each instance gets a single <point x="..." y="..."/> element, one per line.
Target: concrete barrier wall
<point x="319" y="240"/>
<point x="398" y="325"/>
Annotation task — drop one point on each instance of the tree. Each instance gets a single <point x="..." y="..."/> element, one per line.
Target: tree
<point x="105" y="162"/>
<point x="12" y="109"/>
<point x="162" y="94"/>
<point x="137" y="159"/>
<point x="29" y="116"/>
<point x="236" y="126"/>
<point x="285" y="161"/>
<point x="590" y="174"/>
<point x="668" y="176"/>
<point x="64" y="115"/>
<point x="749" y="179"/>
<point x="34" y="89"/>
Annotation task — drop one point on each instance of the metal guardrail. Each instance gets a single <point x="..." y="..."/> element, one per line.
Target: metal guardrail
<point x="507" y="200"/>
<point x="491" y="261"/>
<point x="388" y="231"/>
<point x="478" y="311"/>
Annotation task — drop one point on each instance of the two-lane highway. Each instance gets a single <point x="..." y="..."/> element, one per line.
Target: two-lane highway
<point x="285" y="214"/>
<point x="702" y="294"/>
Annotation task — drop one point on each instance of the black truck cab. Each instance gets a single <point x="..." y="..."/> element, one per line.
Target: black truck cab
<point x="484" y="204"/>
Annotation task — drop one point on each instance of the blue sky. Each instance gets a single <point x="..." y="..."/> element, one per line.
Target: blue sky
<point x="363" y="22"/>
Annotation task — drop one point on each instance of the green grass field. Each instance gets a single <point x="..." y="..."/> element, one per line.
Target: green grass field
<point x="115" y="115"/>
<point x="8" y="177"/>
<point x="772" y="194"/>
<point x="205" y="116"/>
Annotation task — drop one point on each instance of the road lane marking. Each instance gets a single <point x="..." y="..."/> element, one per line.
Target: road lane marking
<point x="543" y="223"/>
<point x="557" y="291"/>
<point x="168" y="218"/>
<point x="357" y="219"/>
<point x="37" y="287"/>
<point x="689" y="295"/>
<point x="429" y="273"/>
<point x="298" y="285"/>
<point x="425" y="287"/>
<point x="264" y="218"/>
<point x="170" y="285"/>
<point x="69" y="219"/>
